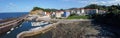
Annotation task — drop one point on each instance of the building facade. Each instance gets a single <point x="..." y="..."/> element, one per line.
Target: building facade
<point x="82" y="11"/>
<point x="59" y="14"/>
<point x="91" y="11"/>
<point x="66" y="13"/>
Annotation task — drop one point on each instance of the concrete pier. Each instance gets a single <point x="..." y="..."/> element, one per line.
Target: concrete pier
<point x="11" y="24"/>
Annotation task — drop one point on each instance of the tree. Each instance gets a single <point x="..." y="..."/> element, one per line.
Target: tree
<point x="62" y="9"/>
<point x="112" y="9"/>
<point x="92" y="6"/>
<point x="47" y="10"/>
<point x="37" y="8"/>
<point x="50" y="10"/>
<point x="53" y="10"/>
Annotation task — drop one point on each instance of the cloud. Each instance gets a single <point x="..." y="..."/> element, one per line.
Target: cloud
<point x="108" y="2"/>
<point x="101" y="2"/>
<point x="12" y="4"/>
<point x="113" y="2"/>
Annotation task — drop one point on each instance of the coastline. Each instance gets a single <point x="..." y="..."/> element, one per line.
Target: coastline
<point x="64" y="26"/>
<point x="40" y="30"/>
<point x="36" y="31"/>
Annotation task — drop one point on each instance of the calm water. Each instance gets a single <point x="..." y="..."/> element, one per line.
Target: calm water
<point x="11" y="15"/>
<point x="25" y="26"/>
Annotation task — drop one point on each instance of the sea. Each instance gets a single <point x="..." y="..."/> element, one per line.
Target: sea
<point x="25" y="26"/>
<point x="5" y="15"/>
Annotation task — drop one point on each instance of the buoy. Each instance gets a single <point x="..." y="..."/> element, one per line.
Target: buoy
<point x="16" y="27"/>
<point x="12" y="29"/>
<point x="20" y="25"/>
<point x="8" y="32"/>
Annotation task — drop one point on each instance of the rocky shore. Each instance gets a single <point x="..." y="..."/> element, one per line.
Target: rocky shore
<point x="68" y="29"/>
<point x="36" y="31"/>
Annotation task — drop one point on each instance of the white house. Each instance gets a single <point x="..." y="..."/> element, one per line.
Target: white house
<point x="66" y="13"/>
<point x="82" y="11"/>
<point x="59" y="14"/>
<point x="91" y="11"/>
<point x="73" y="11"/>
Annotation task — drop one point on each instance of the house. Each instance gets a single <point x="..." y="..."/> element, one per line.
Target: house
<point x="74" y="11"/>
<point x="78" y="11"/>
<point x="91" y="11"/>
<point x="53" y="14"/>
<point x="48" y="14"/>
<point x="44" y="13"/>
<point x="66" y="13"/>
<point x="82" y="11"/>
<point x="59" y="14"/>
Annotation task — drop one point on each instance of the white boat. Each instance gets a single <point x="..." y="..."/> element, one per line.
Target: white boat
<point x="37" y="28"/>
<point x="36" y="23"/>
<point x="39" y="23"/>
<point x="8" y="32"/>
<point x="12" y="29"/>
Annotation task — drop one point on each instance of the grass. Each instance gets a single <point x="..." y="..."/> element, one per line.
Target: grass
<point x="78" y="17"/>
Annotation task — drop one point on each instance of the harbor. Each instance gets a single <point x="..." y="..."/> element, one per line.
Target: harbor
<point x="25" y="27"/>
<point x="60" y="19"/>
<point x="13" y="29"/>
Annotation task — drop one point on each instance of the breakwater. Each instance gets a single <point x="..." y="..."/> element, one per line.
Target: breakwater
<point x="7" y="26"/>
<point x="36" y="31"/>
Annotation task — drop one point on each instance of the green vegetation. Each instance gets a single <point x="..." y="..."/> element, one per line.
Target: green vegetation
<point x="111" y="19"/>
<point x="111" y="9"/>
<point x="37" y="8"/>
<point x="78" y="17"/>
<point x="50" y="10"/>
<point x="47" y="10"/>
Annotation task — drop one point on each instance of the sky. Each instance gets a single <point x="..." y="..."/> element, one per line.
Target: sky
<point x="27" y="5"/>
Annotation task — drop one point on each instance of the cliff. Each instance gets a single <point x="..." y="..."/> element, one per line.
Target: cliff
<point x="36" y="12"/>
